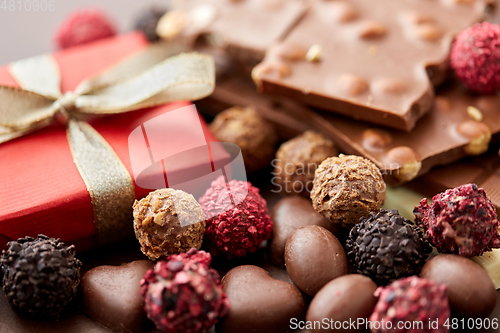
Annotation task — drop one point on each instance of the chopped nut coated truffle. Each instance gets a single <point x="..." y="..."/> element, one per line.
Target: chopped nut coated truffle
<point x="245" y="128"/>
<point x="298" y="159"/>
<point x="157" y="223"/>
<point x="346" y="188"/>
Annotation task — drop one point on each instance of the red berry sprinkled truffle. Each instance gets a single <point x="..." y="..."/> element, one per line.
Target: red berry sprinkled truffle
<point x="183" y="294"/>
<point x="475" y="56"/>
<point x="235" y="229"/>
<point x="83" y="26"/>
<point x="460" y="221"/>
<point x="410" y="300"/>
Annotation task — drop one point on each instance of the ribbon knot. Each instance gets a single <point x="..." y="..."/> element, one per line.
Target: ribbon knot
<point x="154" y="76"/>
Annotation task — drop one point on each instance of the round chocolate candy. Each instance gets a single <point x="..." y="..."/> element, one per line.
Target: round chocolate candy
<point x="314" y="257"/>
<point x="471" y="292"/>
<point x="288" y="215"/>
<point x="258" y="302"/>
<point x="347" y="297"/>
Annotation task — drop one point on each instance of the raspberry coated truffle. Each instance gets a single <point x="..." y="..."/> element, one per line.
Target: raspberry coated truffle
<point x="246" y="128"/>
<point x="84" y="26"/>
<point x="235" y="230"/>
<point x="475" y="56"/>
<point x="346" y="188"/>
<point x="411" y="300"/>
<point x="40" y="275"/>
<point x="460" y="221"/>
<point x="298" y="159"/>
<point x="386" y="247"/>
<point x="183" y="294"/>
<point x="168" y="221"/>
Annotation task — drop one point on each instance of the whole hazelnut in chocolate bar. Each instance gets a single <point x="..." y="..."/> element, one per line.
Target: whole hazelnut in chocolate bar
<point x="386" y="247"/>
<point x="147" y="21"/>
<point x="238" y="221"/>
<point x="40" y="275"/>
<point x="168" y="221"/>
<point x="412" y="299"/>
<point x="297" y="160"/>
<point x="346" y="188"/>
<point x="460" y="221"/>
<point x="475" y="56"/>
<point x="183" y="294"/>
<point x="245" y="127"/>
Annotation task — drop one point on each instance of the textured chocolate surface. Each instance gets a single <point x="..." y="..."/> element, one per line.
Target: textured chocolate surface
<point x="112" y="297"/>
<point x="373" y="63"/>
<point x="314" y="257"/>
<point x="297" y="160"/>
<point x="245" y="28"/>
<point x="470" y="291"/>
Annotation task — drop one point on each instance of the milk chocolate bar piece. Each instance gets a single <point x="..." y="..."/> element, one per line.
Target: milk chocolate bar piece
<point x="245" y="28"/>
<point x="369" y="60"/>
<point x="460" y="124"/>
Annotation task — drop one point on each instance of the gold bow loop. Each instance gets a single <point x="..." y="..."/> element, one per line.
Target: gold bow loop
<point x="157" y="75"/>
<point x="151" y="77"/>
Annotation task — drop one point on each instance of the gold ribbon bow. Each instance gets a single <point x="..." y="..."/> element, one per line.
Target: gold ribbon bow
<point x="154" y="76"/>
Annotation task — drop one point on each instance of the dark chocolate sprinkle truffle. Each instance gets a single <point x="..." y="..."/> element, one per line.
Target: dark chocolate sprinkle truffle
<point x="147" y="20"/>
<point x="386" y="247"/>
<point x="40" y="275"/>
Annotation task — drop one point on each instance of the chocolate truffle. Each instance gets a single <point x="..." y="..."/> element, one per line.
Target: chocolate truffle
<point x="112" y="296"/>
<point x="348" y="297"/>
<point x="471" y="292"/>
<point x="288" y="215"/>
<point x="460" y="221"/>
<point x="414" y="300"/>
<point x="297" y="160"/>
<point x="235" y="230"/>
<point x="314" y="257"/>
<point x="40" y="275"/>
<point x="386" y="247"/>
<point x="346" y="188"/>
<point x="259" y="303"/>
<point x="255" y="136"/>
<point x="147" y="20"/>
<point x="184" y="295"/>
<point x="157" y="223"/>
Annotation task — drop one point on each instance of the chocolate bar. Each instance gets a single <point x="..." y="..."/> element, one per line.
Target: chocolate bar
<point x="460" y="124"/>
<point x="245" y="28"/>
<point x="376" y="63"/>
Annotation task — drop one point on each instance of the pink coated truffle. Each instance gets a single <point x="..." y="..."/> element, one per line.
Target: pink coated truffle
<point x="411" y="300"/>
<point x="183" y="294"/>
<point x="475" y="56"/>
<point x="460" y="221"/>
<point x="235" y="230"/>
<point x="84" y="26"/>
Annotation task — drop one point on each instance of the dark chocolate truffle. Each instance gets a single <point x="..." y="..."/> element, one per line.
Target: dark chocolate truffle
<point x="460" y="221"/>
<point x="183" y="294"/>
<point x="157" y="223"/>
<point x="470" y="291"/>
<point x="346" y="188"/>
<point x="255" y="136"/>
<point x="235" y="230"/>
<point x="297" y="160"/>
<point x="314" y="257"/>
<point x="386" y="247"/>
<point x="147" y="20"/>
<point x="40" y="275"/>
<point x="411" y="300"/>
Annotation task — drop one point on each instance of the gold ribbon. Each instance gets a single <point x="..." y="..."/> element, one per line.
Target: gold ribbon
<point x="154" y="76"/>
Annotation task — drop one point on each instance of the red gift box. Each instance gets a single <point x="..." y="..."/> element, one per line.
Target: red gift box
<point x="41" y="190"/>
